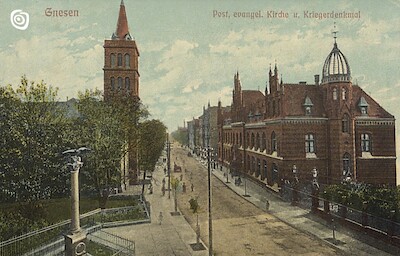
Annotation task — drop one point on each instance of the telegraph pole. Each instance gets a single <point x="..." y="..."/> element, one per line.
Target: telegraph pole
<point x="210" y="247"/>
<point x="169" y="166"/>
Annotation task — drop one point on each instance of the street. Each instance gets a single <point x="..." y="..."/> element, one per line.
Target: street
<point x="239" y="227"/>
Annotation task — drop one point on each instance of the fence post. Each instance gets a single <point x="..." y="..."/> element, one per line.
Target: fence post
<point x="364" y="216"/>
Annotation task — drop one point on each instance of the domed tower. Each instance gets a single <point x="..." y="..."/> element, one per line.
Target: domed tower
<point x="337" y="90"/>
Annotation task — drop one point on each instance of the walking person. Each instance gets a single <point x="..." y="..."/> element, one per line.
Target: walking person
<point x="192" y="187"/>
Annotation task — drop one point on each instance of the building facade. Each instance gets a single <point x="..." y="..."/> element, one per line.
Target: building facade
<point x="332" y="125"/>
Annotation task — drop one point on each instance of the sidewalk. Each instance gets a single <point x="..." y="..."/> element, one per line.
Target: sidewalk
<point x="172" y="237"/>
<point x="302" y="220"/>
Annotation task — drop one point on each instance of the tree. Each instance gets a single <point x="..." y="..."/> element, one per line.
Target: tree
<point x="175" y="185"/>
<point x="194" y="206"/>
<point x="152" y="135"/>
<point x="109" y="129"/>
<point x="32" y="132"/>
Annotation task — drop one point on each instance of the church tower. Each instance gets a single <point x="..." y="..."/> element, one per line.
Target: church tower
<point x="121" y="55"/>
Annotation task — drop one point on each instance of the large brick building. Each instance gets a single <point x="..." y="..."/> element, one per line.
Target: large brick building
<point x="121" y="57"/>
<point x="332" y="125"/>
<point x="121" y="79"/>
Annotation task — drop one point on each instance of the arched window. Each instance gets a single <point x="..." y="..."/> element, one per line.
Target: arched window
<point x="252" y="140"/>
<point x="112" y="60"/>
<point x="343" y="93"/>
<point x="258" y="168"/>
<point x="346" y="165"/>
<point x="112" y="83"/>
<point x="346" y="123"/>
<point x="263" y="142"/>
<point x="127" y="84"/>
<point x="310" y="143"/>
<point x="365" y="142"/>
<point x="240" y="138"/>
<point x="334" y="94"/>
<point x="119" y="60"/>
<point x="258" y="141"/>
<point x="264" y="174"/>
<point x="273" y="142"/>
<point x="127" y="61"/>
<point x="119" y="83"/>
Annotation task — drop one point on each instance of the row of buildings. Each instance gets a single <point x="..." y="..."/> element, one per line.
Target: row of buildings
<point x="332" y="125"/>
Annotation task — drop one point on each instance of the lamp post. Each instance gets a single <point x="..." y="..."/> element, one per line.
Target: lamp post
<point x="75" y="240"/>
<point x="294" y="185"/>
<point x="315" y="190"/>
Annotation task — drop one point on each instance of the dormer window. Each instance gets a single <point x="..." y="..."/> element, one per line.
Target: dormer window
<point x="307" y="106"/>
<point x="363" y="105"/>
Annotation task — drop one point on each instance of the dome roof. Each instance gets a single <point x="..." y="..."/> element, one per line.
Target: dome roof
<point x="336" y="68"/>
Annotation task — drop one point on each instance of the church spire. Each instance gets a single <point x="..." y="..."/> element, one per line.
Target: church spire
<point x="122" y="31"/>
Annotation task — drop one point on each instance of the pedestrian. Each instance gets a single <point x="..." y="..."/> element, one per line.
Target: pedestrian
<point x="163" y="190"/>
<point x="165" y="171"/>
<point x="163" y="181"/>
<point x="192" y="187"/>
<point x="184" y="187"/>
<point x="160" y="218"/>
<point x="181" y="177"/>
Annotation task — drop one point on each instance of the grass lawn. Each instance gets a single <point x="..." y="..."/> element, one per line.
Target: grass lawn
<point x="57" y="210"/>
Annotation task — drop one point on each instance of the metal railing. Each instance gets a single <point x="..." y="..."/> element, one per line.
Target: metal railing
<point x="47" y="240"/>
<point x="119" y="245"/>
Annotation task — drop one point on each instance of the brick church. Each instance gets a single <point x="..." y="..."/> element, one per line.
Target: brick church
<point x="332" y="125"/>
<point x="121" y="78"/>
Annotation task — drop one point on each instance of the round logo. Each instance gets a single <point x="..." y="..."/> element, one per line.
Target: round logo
<point x="19" y="19"/>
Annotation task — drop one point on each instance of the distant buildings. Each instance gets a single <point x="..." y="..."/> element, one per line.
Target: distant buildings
<point x="331" y="125"/>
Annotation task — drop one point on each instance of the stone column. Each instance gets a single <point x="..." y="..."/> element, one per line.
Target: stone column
<point x="75" y="221"/>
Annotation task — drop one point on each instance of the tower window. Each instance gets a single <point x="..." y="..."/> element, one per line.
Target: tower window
<point x="334" y="94"/>
<point x="112" y="60"/>
<point x="119" y="60"/>
<point x="343" y="94"/>
<point x="127" y="61"/>
<point x="365" y="142"/>
<point x="345" y="123"/>
<point x="119" y="83"/>
<point x="112" y="83"/>
<point x="310" y="143"/>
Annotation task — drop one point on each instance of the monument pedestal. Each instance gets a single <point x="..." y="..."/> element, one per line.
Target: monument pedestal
<point x="75" y="244"/>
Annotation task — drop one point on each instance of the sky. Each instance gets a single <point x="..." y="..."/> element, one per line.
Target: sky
<point x="190" y="50"/>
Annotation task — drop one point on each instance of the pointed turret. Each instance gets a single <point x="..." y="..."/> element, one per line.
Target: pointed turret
<point x="122" y="31"/>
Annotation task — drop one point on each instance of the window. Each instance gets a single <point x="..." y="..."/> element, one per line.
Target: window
<point x="365" y="142"/>
<point x="119" y="60"/>
<point x="119" y="83"/>
<point x="345" y="123"/>
<point x="127" y="61"/>
<point x="264" y="174"/>
<point x="346" y="165"/>
<point x="258" y="141"/>
<point x="343" y="93"/>
<point x="334" y="94"/>
<point x="252" y="140"/>
<point x="112" y="60"/>
<point x="112" y="83"/>
<point x="127" y="84"/>
<point x="263" y="142"/>
<point x="273" y="142"/>
<point x="310" y="143"/>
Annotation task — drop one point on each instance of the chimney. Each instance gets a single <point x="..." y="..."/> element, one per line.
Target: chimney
<point x="316" y="79"/>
